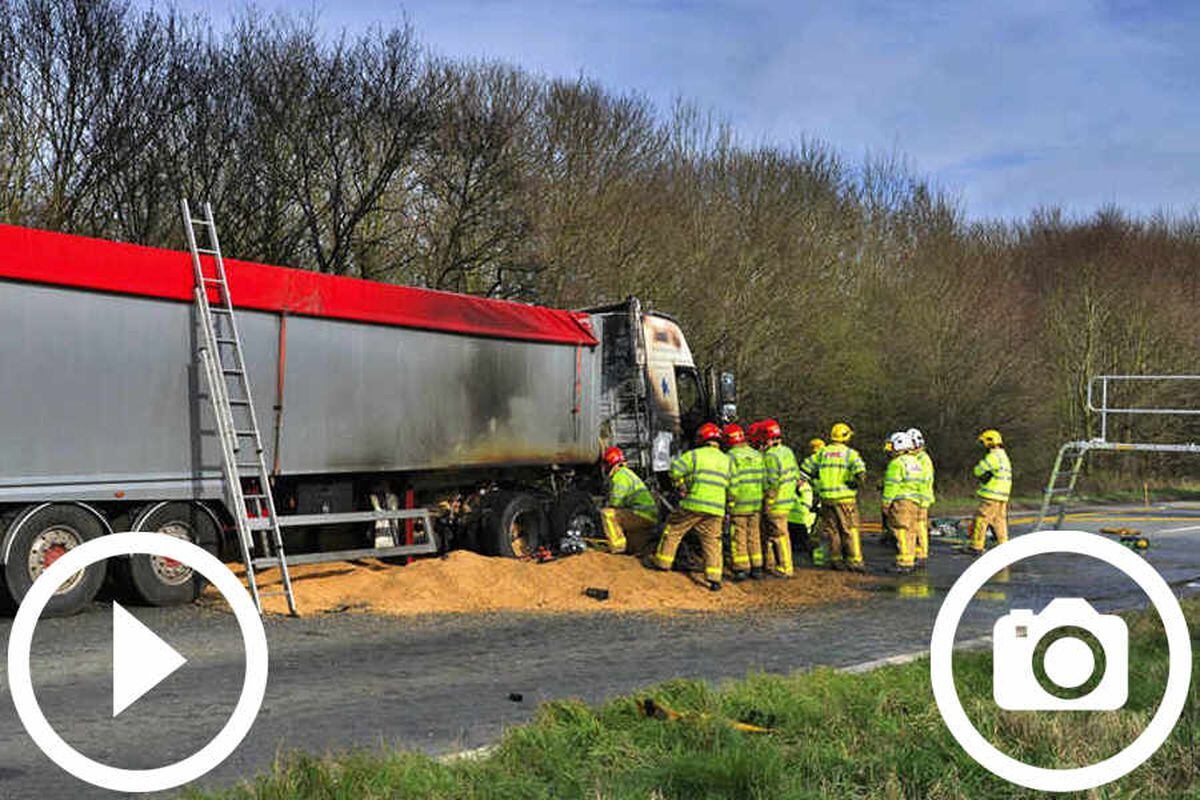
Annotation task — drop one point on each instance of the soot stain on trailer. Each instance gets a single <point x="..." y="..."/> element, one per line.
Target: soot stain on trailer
<point x="493" y="378"/>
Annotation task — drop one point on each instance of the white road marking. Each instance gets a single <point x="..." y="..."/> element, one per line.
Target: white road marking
<point x="906" y="658"/>
<point x="1181" y="530"/>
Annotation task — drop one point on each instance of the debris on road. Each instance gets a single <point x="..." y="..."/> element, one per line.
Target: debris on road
<point x="466" y="582"/>
<point x="649" y="707"/>
<point x="1130" y="537"/>
<point x="596" y="594"/>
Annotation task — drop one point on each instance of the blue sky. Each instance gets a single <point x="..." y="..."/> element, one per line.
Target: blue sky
<point x="1008" y="105"/>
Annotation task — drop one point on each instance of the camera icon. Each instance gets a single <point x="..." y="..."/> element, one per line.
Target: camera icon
<point x="1067" y="658"/>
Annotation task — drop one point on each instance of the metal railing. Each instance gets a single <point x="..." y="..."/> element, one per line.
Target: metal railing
<point x="1064" y="476"/>
<point x="1098" y="390"/>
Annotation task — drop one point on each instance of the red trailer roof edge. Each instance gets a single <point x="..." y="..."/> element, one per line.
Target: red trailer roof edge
<point x="60" y="259"/>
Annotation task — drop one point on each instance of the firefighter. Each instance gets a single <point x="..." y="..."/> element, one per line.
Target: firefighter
<point x="808" y="473"/>
<point x="802" y="522"/>
<point x="630" y="514"/>
<point x="840" y="471"/>
<point x="702" y="478"/>
<point x="779" y="495"/>
<point x="994" y="471"/>
<point x="745" y="504"/>
<point x="885" y="531"/>
<point x="927" y="496"/>
<point x="903" y="485"/>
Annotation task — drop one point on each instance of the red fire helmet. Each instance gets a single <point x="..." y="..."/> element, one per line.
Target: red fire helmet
<point x="734" y="434"/>
<point x="708" y="433"/>
<point x="755" y="432"/>
<point x="772" y="430"/>
<point x="613" y="456"/>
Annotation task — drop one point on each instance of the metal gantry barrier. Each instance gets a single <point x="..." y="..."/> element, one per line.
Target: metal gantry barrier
<point x="1064" y="476"/>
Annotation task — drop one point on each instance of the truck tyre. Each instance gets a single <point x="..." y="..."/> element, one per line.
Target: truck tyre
<point x="514" y="525"/>
<point x="159" y="581"/>
<point x="40" y="538"/>
<point x="575" y="510"/>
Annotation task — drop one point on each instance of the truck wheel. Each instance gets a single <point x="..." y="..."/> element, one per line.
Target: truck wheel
<point x="158" y="581"/>
<point x="576" y="511"/>
<point x="515" y="525"/>
<point x="40" y="539"/>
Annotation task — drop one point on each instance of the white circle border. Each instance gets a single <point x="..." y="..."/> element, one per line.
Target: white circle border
<point x="941" y="653"/>
<point x="254" y="684"/>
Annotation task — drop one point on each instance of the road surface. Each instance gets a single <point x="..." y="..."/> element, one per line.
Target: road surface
<point x="444" y="684"/>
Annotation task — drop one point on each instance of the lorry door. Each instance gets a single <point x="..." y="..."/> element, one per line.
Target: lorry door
<point x="689" y="394"/>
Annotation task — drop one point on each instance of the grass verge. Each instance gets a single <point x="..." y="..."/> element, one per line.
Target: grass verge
<point x="834" y="735"/>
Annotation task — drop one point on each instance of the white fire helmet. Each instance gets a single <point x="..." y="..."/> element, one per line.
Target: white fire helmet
<point x="902" y="441"/>
<point x="917" y="437"/>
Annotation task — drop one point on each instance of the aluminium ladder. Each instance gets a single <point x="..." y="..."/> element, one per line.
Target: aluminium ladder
<point x="247" y="481"/>
<point x="1064" y="477"/>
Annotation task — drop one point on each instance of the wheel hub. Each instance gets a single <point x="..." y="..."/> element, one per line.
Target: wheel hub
<point x="168" y="570"/>
<point x="49" y="546"/>
<point x="583" y="526"/>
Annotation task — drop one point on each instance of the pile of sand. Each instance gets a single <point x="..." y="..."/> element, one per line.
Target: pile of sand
<point x="465" y="582"/>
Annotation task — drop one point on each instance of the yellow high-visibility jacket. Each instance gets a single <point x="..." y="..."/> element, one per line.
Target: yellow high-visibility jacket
<point x="927" y="496"/>
<point x="703" y="474"/>
<point x="837" y="466"/>
<point x="904" y="479"/>
<point x="995" y="470"/>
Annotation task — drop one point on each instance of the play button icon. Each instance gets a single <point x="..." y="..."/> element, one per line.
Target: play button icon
<point x="141" y="660"/>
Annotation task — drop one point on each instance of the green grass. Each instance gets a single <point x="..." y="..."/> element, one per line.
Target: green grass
<point x="835" y="735"/>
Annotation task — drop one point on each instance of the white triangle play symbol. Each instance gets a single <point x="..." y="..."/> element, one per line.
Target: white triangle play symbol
<point x="141" y="660"/>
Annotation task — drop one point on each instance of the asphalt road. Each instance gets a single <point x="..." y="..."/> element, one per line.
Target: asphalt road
<point x="444" y="683"/>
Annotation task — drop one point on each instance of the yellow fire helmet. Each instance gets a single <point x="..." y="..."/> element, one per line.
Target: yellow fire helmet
<point x="841" y="433"/>
<point x="991" y="438"/>
<point x="815" y="445"/>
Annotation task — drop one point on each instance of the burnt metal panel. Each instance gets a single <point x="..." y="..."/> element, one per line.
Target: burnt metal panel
<point x="366" y="398"/>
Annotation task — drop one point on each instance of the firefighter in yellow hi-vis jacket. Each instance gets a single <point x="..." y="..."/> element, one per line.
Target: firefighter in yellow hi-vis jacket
<point x="802" y="521"/>
<point x="840" y="472"/>
<point x="994" y="471"/>
<point x="779" y="495"/>
<point x="927" y="495"/>
<point x="903" y="484"/>
<point x="745" y="504"/>
<point x="702" y="476"/>
<point x="630" y="514"/>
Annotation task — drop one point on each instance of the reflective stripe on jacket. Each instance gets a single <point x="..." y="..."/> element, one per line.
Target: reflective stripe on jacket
<point x="782" y="474"/>
<point x="746" y="479"/>
<point x="904" y="479"/>
<point x="837" y="465"/>
<point x="802" y="511"/>
<point x="627" y="490"/>
<point x="927" y="474"/>
<point x="703" y="474"/>
<point x="995" y="470"/>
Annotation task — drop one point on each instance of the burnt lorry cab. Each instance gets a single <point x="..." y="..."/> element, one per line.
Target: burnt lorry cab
<point x="653" y="397"/>
<point x="486" y="416"/>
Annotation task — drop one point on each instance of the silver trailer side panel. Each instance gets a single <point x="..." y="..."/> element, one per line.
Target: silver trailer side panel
<point x="101" y="398"/>
<point x="362" y="398"/>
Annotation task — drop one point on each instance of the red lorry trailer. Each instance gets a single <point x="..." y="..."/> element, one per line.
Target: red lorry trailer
<point x="489" y="414"/>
